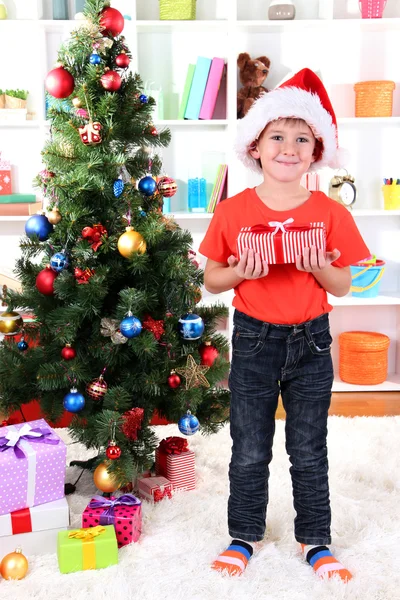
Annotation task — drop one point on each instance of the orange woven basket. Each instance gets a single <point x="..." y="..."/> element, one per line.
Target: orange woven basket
<point x="363" y="357"/>
<point x="374" y="98"/>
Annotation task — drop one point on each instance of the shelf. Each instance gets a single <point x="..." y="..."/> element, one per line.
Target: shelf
<point x="191" y="123"/>
<point x="20" y="124"/>
<point x="391" y="384"/>
<point x="360" y="212"/>
<point x="186" y="215"/>
<point x="11" y="218"/>
<point x="267" y="26"/>
<point x="389" y="299"/>
<point x="368" y="121"/>
<point x="198" y="25"/>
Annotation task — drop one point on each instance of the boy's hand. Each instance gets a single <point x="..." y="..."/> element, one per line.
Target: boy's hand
<point x="314" y="259"/>
<point x="250" y="266"/>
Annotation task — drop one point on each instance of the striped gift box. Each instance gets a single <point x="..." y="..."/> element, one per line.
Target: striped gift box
<point x="154" y="489"/>
<point x="280" y="243"/>
<point x="179" y="469"/>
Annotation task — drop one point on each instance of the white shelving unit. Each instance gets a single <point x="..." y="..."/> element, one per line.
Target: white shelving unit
<point x="349" y="50"/>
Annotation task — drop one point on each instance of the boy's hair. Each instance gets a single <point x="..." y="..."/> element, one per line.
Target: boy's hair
<point x="290" y="121"/>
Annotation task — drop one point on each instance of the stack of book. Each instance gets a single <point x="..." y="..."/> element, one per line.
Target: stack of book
<point x="19" y="205"/>
<point x="201" y="89"/>
<point x="219" y="190"/>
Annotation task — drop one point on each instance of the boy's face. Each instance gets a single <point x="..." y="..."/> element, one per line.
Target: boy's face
<point x="285" y="149"/>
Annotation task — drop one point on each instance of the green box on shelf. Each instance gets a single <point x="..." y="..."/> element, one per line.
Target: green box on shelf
<point x="17" y="198"/>
<point x="177" y="10"/>
<point x="90" y="548"/>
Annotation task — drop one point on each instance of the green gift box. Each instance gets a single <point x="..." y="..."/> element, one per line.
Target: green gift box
<point x="90" y="548"/>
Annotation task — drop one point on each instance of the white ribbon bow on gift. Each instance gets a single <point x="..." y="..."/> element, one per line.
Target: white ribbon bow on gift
<point x="13" y="436"/>
<point x="279" y="226"/>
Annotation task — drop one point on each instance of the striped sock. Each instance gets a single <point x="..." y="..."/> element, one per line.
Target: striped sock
<point x="235" y="558"/>
<point x="324" y="563"/>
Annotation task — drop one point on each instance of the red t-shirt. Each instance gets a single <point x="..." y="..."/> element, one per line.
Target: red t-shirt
<point x="286" y="295"/>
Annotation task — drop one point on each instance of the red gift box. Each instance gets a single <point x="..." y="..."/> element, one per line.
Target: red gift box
<point x="5" y="177"/>
<point x="176" y="462"/>
<point x="154" y="488"/>
<point x="280" y="243"/>
<point x="125" y="513"/>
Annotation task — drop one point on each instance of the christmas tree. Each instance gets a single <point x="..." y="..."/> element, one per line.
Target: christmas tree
<point x="118" y="332"/>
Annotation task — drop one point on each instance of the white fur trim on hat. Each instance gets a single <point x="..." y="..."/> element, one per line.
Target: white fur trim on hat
<point x="286" y="102"/>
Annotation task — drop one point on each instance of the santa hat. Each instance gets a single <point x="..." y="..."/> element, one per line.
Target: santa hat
<point x="301" y="97"/>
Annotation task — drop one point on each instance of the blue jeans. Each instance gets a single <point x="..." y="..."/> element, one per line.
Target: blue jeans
<point x="294" y="360"/>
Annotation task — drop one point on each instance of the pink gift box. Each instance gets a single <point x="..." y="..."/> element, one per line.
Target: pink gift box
<point x="5" y="177"/>
<point x="125" y="513"/>
<point x="280" y="243"/>
<point x="176" y="462"/>
<point x="155" y="489"/>
<point x="32" y="465"/>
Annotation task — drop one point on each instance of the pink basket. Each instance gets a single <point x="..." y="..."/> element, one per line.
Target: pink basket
<point x="372" y="9"/>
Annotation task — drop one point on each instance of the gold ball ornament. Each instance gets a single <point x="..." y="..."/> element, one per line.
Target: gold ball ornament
<point x="76" y="102"/>
<point x="130" y="242"/>
<point x="54" y="216"/>
<point x="103" y="480"/>
<point x="14" y="565"/>
<point x="10" y="323"/>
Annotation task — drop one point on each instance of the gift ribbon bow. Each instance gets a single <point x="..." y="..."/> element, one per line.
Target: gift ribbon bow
<point x="279" y="227"/>
<point x="160" y="494"/>
<point x="87" y="534"/>
<point x="14" y="439"/>
<point x="110" y="328"/>
<point x="173" y="445"/>
<point x="107" y="516"/>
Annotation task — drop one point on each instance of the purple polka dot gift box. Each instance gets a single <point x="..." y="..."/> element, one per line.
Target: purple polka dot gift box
<point x="124" y="512"/>
<point x="32" y="465"/>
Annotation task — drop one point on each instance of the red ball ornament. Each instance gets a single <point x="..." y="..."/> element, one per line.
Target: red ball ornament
<point x="112" y="21"/>
<point x="122" y="60"/>
<point x="113" y="451"/>
<point x="167" y="187"/>
<point x="60" y="83"/>
<point x="67" y="352"/>
<point x="208" y="354"/>
<point x="111" y="81"/>
<point x="97" y="388"/>
<point x="174" y="381"/>
<point x="153" y="131"/>
<point x="45" y="281"/>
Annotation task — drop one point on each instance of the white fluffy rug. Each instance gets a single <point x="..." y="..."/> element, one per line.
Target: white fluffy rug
<point x="182" y="536"/>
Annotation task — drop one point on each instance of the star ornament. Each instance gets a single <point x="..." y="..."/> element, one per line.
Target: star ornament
<point x="194" y="373"/>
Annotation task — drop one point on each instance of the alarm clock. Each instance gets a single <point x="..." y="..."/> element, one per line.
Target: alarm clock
<point x="343" y="190"/>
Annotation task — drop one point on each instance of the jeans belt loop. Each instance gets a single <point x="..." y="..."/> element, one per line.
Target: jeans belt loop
<point x="264" y="331"/>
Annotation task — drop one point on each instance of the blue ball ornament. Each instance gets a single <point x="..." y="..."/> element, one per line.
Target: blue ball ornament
<point x="191" y="326"/>
<point x="130" y="326"/>
<point x="143" y="99"/>
<point x="22" y="345"/>
<point x="147" y="185"/>
<point x="59" y="262"/>
<point x="74" y="401"/>
<point x="118" y="187"/>
<point x="188" y="424"/>
<point x="38" y="225"/>
<point x="94" y="59"/>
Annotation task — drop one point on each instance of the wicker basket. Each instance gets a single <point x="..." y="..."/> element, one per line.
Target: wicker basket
<point x="177" y="10"/>
<point x="363" y="357"/>
<point x="372" y="9"/>
<point x="2" y="100"/>
<point x="374" y="98"/>
<point x="12" y="102"/>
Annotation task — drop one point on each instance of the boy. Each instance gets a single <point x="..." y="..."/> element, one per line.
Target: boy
<point x="281" y="339"/>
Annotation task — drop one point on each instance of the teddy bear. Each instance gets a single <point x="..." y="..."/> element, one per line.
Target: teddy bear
<point x="252" y="74"/>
